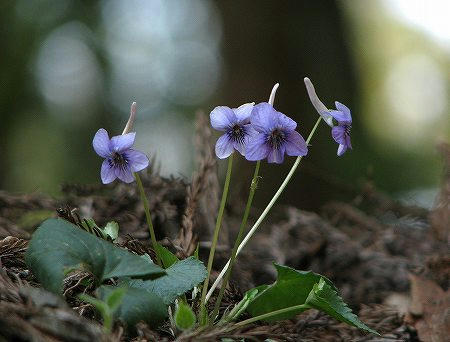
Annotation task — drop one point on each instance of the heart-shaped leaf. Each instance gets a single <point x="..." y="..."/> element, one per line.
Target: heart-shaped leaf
<point x="137" y="305"/>
<point x="291" y="288"/>
<point x="57" y="247"/>
<point x="180" y="278"/>
<point x="296" y="291"/>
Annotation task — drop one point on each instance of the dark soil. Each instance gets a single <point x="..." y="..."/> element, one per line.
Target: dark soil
<point x="389" y="261"/>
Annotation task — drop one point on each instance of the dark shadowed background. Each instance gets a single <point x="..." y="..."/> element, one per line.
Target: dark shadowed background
<point x="70" y="67"/>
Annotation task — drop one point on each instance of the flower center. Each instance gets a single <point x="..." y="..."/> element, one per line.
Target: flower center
<point x="237" y="133"/>
<point x="117" y="160"/>
<point x="276" y="138"/>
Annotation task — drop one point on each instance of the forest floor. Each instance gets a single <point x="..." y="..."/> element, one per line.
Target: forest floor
<point x="390" y="262"/>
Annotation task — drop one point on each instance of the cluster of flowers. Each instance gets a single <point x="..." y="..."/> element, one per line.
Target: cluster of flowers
<point x="259" y="131"/>
<point x="255" y="131"/>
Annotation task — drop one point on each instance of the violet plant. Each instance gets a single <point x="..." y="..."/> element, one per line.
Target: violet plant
<point x="147" y="291"/>
<point x="275" y="135"/>
<point x="124" y="163"/>
<point x="258" y="132"/>
<point x="271" y="136"/>
<point x="327" y="116"/>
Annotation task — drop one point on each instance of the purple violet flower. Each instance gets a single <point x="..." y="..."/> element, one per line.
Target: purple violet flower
<point x="273" y="135"/>
<point x="341" y="132"/>
<point x="120" y="160"/>
<point x="235" y="122"/>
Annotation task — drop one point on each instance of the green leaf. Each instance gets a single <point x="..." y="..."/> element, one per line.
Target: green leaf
<point x="167" y="257"/>
<point x="184" y="316"/>
<point x="296" y="291"/>
<point x="291" y="288"/>
<point x="58" y="246"/>
<point x="137" y="305"/>
<point x="325" y="298"/>
<point x="111" y="230"/>
<point x="181" y="277"/>
<point x="114" y="298"/>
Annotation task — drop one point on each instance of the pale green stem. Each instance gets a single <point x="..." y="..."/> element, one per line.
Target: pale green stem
<point x="264" y="213"/>
<point x="271" y="314"/>
<point x="148" y="217"/>
<point x="108" y="322"/>
<point x="253" y="187"/>
<point x="215" y="237"/>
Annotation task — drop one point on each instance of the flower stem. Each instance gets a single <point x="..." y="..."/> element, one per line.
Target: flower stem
<point x="215" y="238"/>
<point x="253" y="187"/>
<point x="264" y="213"/>
<point x="271" y="314"/>
<point x="148" y="217"/>
<point x="108" y="322"/>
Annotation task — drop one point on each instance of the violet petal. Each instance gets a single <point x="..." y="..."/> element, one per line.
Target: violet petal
<point x="276" y="155"/>
<point x="342" y="117"/>
<point x="257" y="148"/>
<point x="341" y="149"/>
<point x="222" y="117"/>
<point x="101" y="143"/>
<point x="120" y="143"/>
<point x="348" y="142"/>
<point x="264" y="118"/>
<point x="243" y="112"/>
<point x="286" y="122"/>
<point x="338" y="134"/>
<point x="239" y="147"/>
<point x="107" y="173"/>
<point x="124" y="173"/>
<point x="136" y="159"/>
<point x="224" y="147"/>
<point x="345" y="110"/>
<point x="295" y="144"/>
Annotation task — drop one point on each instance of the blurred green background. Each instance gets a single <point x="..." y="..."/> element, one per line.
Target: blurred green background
<point x="70" y="67"/>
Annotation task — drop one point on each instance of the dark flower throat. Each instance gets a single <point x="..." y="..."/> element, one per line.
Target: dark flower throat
<point x="117" y="160"/>
<point x="276" y="138"/>
<point x="237" y="133"/>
